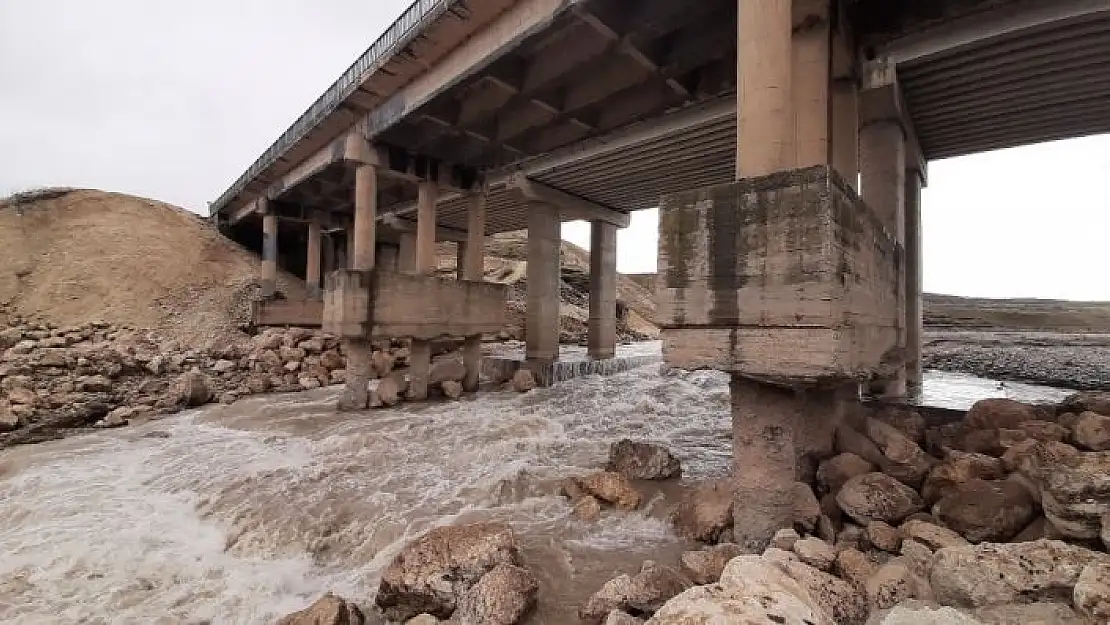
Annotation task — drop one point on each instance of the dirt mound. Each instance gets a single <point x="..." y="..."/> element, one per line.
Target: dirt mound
<point x="76" y="256"/>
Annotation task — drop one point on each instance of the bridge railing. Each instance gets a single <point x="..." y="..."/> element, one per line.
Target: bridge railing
<point x="398" y="35"/>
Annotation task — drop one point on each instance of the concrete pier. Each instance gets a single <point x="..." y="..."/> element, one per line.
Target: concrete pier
<point x="602" y="330"/>
<point x="269" y="254"/>
<point x="753" y="274"/>
<point x="313" y="259"/>
<point x="541" y="326"/>
<point x="472" y="265"/>
<point x="363" y="238"/>
<point x="765" y="422"/>
<point x="420" y="354"/>
<point x="883" y="186"/>
<point x="913" y="272"/>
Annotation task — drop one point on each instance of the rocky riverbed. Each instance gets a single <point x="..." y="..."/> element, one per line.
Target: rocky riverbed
<point x="1001" y="518"/>
<point x="1068" y="360"/>
<point x="59" y="380"/>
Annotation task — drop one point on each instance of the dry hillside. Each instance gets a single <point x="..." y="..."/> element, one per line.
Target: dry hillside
<point x="71" y="257"/>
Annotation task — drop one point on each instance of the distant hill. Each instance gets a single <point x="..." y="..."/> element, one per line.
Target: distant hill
<point x="950" y="311"/>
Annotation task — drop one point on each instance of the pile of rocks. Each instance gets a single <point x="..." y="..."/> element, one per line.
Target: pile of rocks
<point x="64" y="377"/>
<point x="1001" y="518"/>
<point x="459" y="575"/>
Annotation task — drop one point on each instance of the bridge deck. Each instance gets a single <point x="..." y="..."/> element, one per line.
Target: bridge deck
<point x="619" y="106"/>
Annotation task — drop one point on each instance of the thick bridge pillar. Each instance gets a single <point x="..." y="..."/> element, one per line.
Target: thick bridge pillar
<point x="472" y="268"/>
<point x="362" y="238"/>
<point x="312" y="262"/>
<point x="883" y="187"/>
<point x="751" y="278"/>
<point x="542" y="321"/>
<point x="913" y="264"/>
<point x="420" y="354"/>
<point x="269" y="252"/>
<point x="602" y="338"/>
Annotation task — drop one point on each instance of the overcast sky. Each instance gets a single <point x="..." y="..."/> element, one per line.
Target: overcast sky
<point x="174" y="100"/>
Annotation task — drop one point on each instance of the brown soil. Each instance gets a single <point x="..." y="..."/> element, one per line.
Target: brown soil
<point x="73" y="257"/>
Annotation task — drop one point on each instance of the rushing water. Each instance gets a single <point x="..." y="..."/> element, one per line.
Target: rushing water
<point x="239" y="514"/>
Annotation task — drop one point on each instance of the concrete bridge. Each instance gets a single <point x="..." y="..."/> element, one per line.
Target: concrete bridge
<point x="785" y="141"/>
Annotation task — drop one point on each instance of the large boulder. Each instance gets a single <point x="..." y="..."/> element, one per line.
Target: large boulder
<point x="1074" y="486"/>
<point x="833" y="473"/>
<point x="1092" y="592"/>
<point x="906" y="420"/>
<point x="999" y="413"/>
<point x="1036" y="613"/>
<point x="753" y="591"/>
<point x="643" y="593"/>
<point x="328" y="610"/>
<point x="835" y="597"/>
<point x="904" y="460"/>
<point x="1094" y="401"/>
<point x="931" y="535"/>
<point x="704" y="566"/>
<point x="504" y="596"/>
<point x="447" y="370"/>
<point x="195" y="388"/>
<point x="612" y="488"/>
<point x="998" y="574"/>
<point x="915" y="612"/>
<point x="982" y="510"/>
<point x="643" y="461"/>
<point x="704" y="513"/>
<point x="1092" y="431"/>
<point x="959" y="468"/>
<point x="432" y="573"/>
<point x="877" y="496"/>
<point x="893" y="583"/>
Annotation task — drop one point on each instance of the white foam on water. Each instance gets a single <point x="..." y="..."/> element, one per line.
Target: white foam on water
<point x="246" y="512"/>
<point x="240" y="514"/>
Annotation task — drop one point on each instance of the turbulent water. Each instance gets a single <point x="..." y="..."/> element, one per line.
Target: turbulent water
<point x="239" y="514"/>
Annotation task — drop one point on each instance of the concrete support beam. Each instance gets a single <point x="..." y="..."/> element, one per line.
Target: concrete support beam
<point x="361" y="254"/>
<point x="388" y="257"/>
<point x="570" y="206"/>
<point x="406" y="253"/>
<point x="764" y="116"/>
<point x="443" y="233"/>
<point x="542" y="322"/>
<point x="420" y="353"/>
<point x="844" y="120"/>
<point x="883" y="187"/>
<point x="914" y="310"/>
<point x="269" y="254"/>
<point x="312" y="263"/>
<point x="809" y="83"/>
<point x="330" y="257"/>
<point x="472" y="268"/>
<point x="602" y="341"/>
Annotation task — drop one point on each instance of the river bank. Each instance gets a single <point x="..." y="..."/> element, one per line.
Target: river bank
<point x="1067" y="360"/>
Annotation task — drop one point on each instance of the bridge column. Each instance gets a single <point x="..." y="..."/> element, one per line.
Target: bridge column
<point x="472" y="263"/>
<point x="883" y="187"/>
<point x="362" y="237"/>
<point x="845" y="111"/>
<point x="542" y="321"/>
<point x="329" y="253"/>
<point x="406" y="253"/>
<point x="420" y="354"/>
<point x="914" y="312"/>
<point x="602" y="339"/>
<point x="269" y="251"/>
<point x="312" y="263"/>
